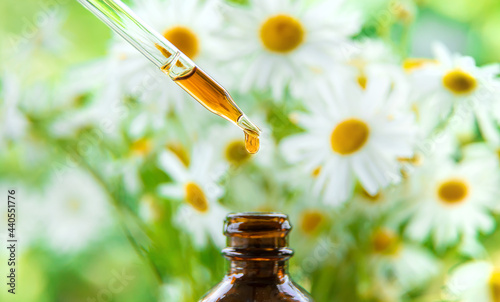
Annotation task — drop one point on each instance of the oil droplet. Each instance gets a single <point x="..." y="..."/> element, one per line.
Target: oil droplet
<point x="252" y="142"/>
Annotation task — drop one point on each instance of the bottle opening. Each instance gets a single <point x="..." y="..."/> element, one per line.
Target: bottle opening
<point x="257" y="236"/>
<point x="257" y="225"/>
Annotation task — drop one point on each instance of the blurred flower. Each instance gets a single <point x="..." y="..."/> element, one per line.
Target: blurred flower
<point x="311" y="220"/>
<point x="75" y="211"/>
<point x="44" y="34"/>
<point x="13" y="123"/>
<point x="88" y="103"/>
<point x="475" y="282"/>
<point x="128" y="166"/>
<point x="394" y="259"/>
<point x="351" y="138"/>
<point x="452" y="201"/>
<point x="278" y="44"/>
<point x="455" y="83"/>
<point x="175" y="290"/>
<point x="372" y="58"/>
<point x="375" y="206"/>
<point x="196" y="184"/>
<point x="186" y="24"/>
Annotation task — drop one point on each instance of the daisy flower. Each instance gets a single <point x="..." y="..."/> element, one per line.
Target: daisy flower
<point x="76" y="211"/>
<point x="475" y="282"/>
<point x="128" y="166"/>
<point x="449" y="201"/>
<point x="392" y="258"/>
<point x="188" y="25"/>
<point x="454" y="82"/>
<point x="320" y="235"/>
<point x="368" y="59"/>
<point x="374" y="206"/>
<point x="195" y="183"/>
<point x="88" y="103"/>
<point x="372" y="58"/>
<point x="279" y="43"/>
<point x="354" y="135"/>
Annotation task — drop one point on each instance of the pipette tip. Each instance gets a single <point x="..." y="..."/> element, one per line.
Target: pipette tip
<point x="246" y="125"/>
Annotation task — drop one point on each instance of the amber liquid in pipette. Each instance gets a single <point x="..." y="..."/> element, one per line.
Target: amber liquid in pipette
<point x="215" y="98"/>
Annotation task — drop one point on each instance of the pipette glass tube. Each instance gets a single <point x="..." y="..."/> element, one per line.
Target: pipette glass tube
<point x="174" y="63"/>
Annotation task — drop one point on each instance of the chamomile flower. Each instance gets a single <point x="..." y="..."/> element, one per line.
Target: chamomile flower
<point x="483" y="151"/>
<point x="449" y="201"/>
<point x="196" y="185"/>
<point x="311" y="220"/>
<point x="128" y="166"/>
<point x="186" y="24"/>
<point x="76" y="211"/>
<point x="279" y="43"/>
<point x="89" y="103"/>
<point x="454" y="81"/>
<point x="374" y="206"/>
<point x="353" y="135"/>
<point x="475" y="282"/>
<point x="392" y="258"/>
<point x="372" y="58"/>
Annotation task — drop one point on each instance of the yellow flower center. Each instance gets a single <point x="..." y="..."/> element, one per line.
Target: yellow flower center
<point x="281" y="33"/>
<point x="459" y="82"/>
<point x="179" y="151"/>
<point x="385" y="242"/>
<point x="411" y="64"/>
<point x="415" y="160"/>
<point x="236" y="152"/>
<point x="453" y="191"/>
<point x="196" y="198"/>
<point x="495" y="285"/>
<point x="362" y="80"/>
<point x="315" y="173"/>
<point x="349" y="136"/>
<point x="184" y="39"/>
<point x="141" y="146"/>
<point x="311" y="220"/>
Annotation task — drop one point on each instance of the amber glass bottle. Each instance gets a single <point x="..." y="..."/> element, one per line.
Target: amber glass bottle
<point x="258" y="254"/>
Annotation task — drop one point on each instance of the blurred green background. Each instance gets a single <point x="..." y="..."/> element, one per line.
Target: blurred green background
<point x="470" y="27"/>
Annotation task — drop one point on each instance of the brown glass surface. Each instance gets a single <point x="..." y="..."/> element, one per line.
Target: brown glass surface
<point x="209" y="93"/>
<point x="258" y="254"/>
<point x="216" y="99"/>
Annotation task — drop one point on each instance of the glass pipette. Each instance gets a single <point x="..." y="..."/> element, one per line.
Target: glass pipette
<point x="174" y="63"/>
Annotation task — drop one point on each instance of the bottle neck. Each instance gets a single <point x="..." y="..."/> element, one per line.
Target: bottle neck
<point x="258" y="270"/>
<point x="257" y="258"/>
<point x="257" y="246"/>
